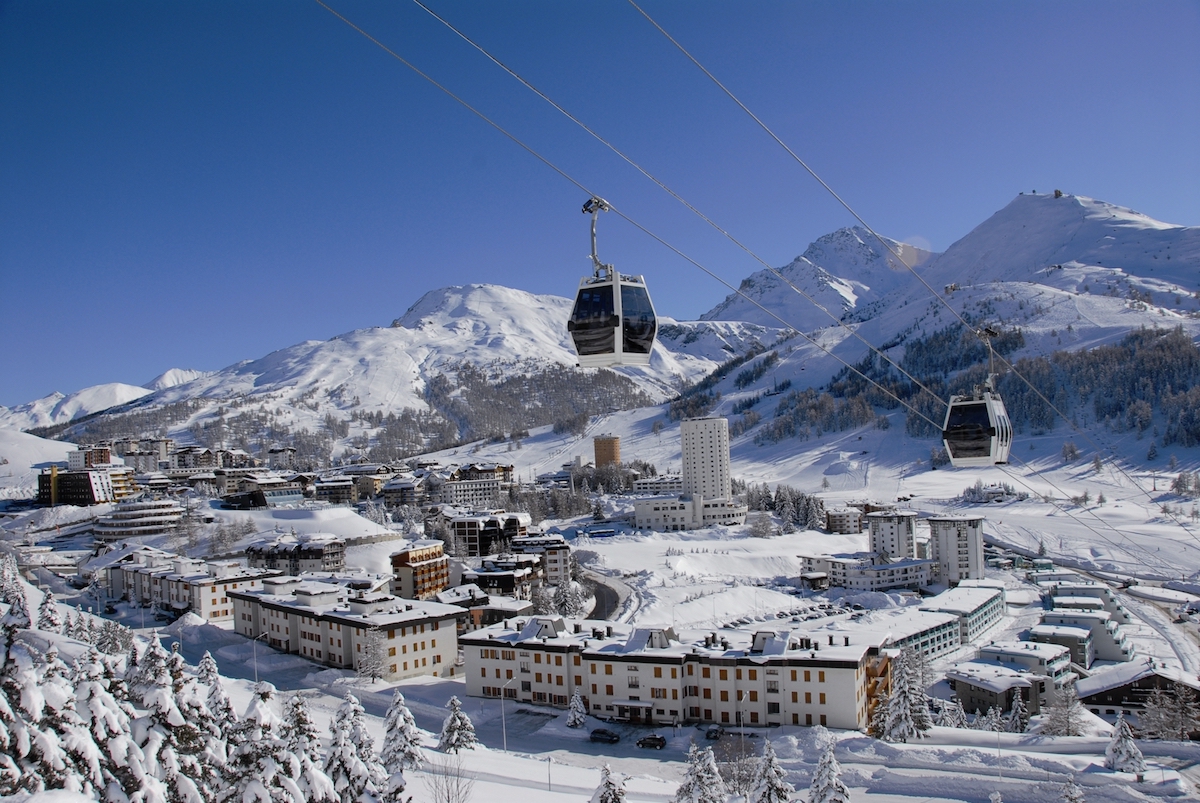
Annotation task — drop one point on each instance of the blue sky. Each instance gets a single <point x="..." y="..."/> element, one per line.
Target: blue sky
<point x="190" y="184"/>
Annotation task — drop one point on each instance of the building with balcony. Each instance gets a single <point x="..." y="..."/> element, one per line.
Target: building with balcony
<point x="132" y="518"/>
<point x="295" y="553"/>
<point x="420" y="570"/>
<point x="956" y="546"/>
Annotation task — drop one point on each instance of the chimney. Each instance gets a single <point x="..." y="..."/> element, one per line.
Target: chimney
<point x="608" y="631"/>
<point x="578" y="627"/>
<point x="847" y="641"/>
<point x="830" y="639"/>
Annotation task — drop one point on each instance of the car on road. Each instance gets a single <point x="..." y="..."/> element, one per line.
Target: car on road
<point x="714" y="732"/>
<point x="604" y="735"/>
<point x="654" y="741"/>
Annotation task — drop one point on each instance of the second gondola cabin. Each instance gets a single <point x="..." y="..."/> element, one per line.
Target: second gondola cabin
<point x="613" y="320"/>
<point x="977" y="431"/>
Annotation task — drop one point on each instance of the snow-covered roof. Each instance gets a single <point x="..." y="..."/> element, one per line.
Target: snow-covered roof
<point x="1062" y="631"/>
<point x="1122" y="674"/>
<point x="962" y="600"/>
<point x="995" y="677"/>
<point x="1042" y="650"/>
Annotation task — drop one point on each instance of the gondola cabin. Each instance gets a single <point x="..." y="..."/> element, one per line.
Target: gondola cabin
<point x="977" y="431"/>
<point x="613" y="322"/>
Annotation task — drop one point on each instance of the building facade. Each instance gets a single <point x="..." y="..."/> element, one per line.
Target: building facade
<point x="956" y="544"/>
<point x="705" y="447"/>
<point x="421" y="570"/>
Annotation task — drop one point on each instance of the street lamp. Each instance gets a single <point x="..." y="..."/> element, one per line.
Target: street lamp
<point x="254" y="651"/>
<point x="503" y="721"/>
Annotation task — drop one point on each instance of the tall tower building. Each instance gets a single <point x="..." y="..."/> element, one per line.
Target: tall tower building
<point x="957" y="543"/>
<point x="706" y="457"/>
<point x="608" y="450"/>
<point x="893" y="533"/>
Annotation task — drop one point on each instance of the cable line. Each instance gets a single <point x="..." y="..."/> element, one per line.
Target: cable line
<point x="937" y="297"/>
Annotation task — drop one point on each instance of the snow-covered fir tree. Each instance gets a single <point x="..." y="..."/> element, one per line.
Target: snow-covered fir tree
<point x="543" y="601"/>
<point x="1122" y="754"/>
<point x="827" y="786"/>
<point x="1072" y="792"/>
<point x="991" y="721"/>
<point x="351" y="764"/>
<point x="772" y="786"/>
<point x="1064" y="715"/>
<point x="904" y="713"/>
<point x="113" y="638"/>
<point x="221" y="707"/>
<point x="107" y="723"/>
<point x="372" y="661"/>
<point x="1017" y="720"/>
<point x="458" y="732"/>
<point x="301" y="739"/>
<point x="401" y="748"/>
<point x="953" y="715"/>
<point x="576" y="712"/>
<point x="173" y="748"/>
<point x="81" y="629"/>
<point x="1170" y="713"/>
<point x="49" y="619"/>
<point x="568" y="599"/>
<point x="207" y="671"/>
<point x="702" y="781"/>
<point x="611" y="789"/>
<point x="260" y="768"/>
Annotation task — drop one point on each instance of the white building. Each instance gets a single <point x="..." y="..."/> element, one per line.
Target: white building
<point x="705" y="443"/>
<point x="653" y="675"/>
<point x="686" y="512"/>
<point x="1051" y="660"/>
<point x="331" y="624"/>
<point x="978" y="609"/>
<point x="1108" y="639"/>
<point x="893" y="533"/>
<point x="844" y="520"/>
<point x="957" y="547"/>
<point x="664" y="484"/>
<point x="131" y="518"/>
<point x="863" y="571"/>
<point x="555" y="552"/>
<point x="180" y="584"/>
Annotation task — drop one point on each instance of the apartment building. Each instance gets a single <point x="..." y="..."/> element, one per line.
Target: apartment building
<point x="555" y="552"/>
<point x="705" y="449"/>
<point x="298" y="553"/>
<point x="956" y="546"/>
<point x="331" y="624"/>
<point x="893" y="533"/>
<point x="1107" y="637"/>
<point x="653" y="675"/>
<point x="132" y="518"/>
<point x="978" y="609"/>
<point x="864" y="571"/>
<point x="178" y="584"/>
<point x="848" y="520"/>
<point x="483" y="533"/>
<point x="420" y="570"/>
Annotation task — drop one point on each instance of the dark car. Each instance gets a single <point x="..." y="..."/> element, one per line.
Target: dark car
<point x="714" y="732"/>
<point x="605" y="735"/>
<point x="654" y="740"/>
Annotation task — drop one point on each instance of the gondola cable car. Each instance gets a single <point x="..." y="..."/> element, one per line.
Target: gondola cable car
<point x="977" y="430"/>
<point x="613" y="320"/>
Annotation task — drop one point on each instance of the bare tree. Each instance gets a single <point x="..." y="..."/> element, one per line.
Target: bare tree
<point x="448" y="781"/>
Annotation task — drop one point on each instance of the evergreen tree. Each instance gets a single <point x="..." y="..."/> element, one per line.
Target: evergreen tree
<point x="300" y="738"/>
<point x="107" y="723"/>
<point x="904" y="714"/>
<point x="171" y="746"/>
<point x="827" y="786"/>
<point x="543" y="601"/>
<point x="401" y="748"/>
<point x="458" y="732"/>
<point x="69" y="758"/>
<point x="1017" y="720"/>
<point x="568" y="600"/>
<point x="372" y="661"/>
<point x="1064" y="716"/>
<point x="611" y="789"/>
<point x="772" y="780"/>
<point x="109" y="639"/>
<point x="576" y="713"/>
<point x="79" y="631"/>
<point x="1122" y="754"/>
<point x="702" y="781"/>
<point x="206" y="671"/>
<point x="1071" y="792"/>
<point x="352" y="765"/>
<point x="953" y="715"/>
<point x="49" y="619"/>
<point x="260" y="768"/>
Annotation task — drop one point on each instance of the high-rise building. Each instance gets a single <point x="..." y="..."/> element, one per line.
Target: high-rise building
<point x="706" y="457"/>
<point x="893" y="533"/>
<point x="957" y="546"/>
<point x="608" y="450"/>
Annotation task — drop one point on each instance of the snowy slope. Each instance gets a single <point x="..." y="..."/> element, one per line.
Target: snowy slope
<point x="845" y="271"/>
<point x="58" y="408"/>
<point x="173" y="377"/>
<point x="20" y="455"/>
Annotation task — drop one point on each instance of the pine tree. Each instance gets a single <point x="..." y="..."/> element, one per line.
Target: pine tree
<point x="1018" y="716"/>
<point x="702" y="782"/>
<point x="953" y="715"/>
<point x="568" y="600"/>
<point x="371" y="661"/>
<point x="401" y="748"/>
<point x="299" y="734"/>
<point x="610" y="790"/>
<point x="458" y="732"/>
<point x="206" y="671"/>
<point x="1064" y="716"/>
<point x="1071" y="792"/>
<point x="904" y="714"/>
<point x="107" y="723"/>
<point x="260" y="767"/>
<point x="219" y="705"/>
<point x="576" y="713"/>
<point x="1122" y="754"/>
<point x="543" y="601"/>
<point x="169" y="743"/>
<point x="772" y="780"/>
<point x="352" y="764"/>
<point x="109" y="639"/>
<point x="827" y="786"/>
<point x="49" y="619"/>
<point x="68" y="758"/>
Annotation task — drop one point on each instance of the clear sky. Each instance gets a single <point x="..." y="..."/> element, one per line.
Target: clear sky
<point x="190" y="184"/>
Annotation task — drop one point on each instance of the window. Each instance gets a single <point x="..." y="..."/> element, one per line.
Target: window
<point x="808" y="698"/>
<point x="705" y="672"/>
<point x="608" y="690"/>
<point x="724" y="695"/>
<point x="537" y="676"/>
<point x="658" y="671"/>
<point x="822" y="698"/>
<point x="753" y="674"/>
<point x="807" y="676"/>
<point x="608" y="669"/>
<point x="725" y="674"/>
<point x="820" y="677"/>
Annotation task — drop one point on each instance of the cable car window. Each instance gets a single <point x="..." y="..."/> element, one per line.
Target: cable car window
<point x="969" y="431"/>
<point x="593" y="321"/>
<point x="638" y="314"/>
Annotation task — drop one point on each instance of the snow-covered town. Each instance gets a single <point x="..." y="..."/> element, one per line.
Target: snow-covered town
<point x="618" y="402"/>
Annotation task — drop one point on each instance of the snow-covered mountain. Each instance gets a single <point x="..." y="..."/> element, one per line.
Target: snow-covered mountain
<point x="58" y="408"/>
<point x="173" y="377"/>
<point x="848" y="270"/>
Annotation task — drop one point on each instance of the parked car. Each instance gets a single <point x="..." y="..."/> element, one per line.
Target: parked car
<point x="654" y="740"/>
<point x="604" y="735"/>
<point x="714" y="732"/>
